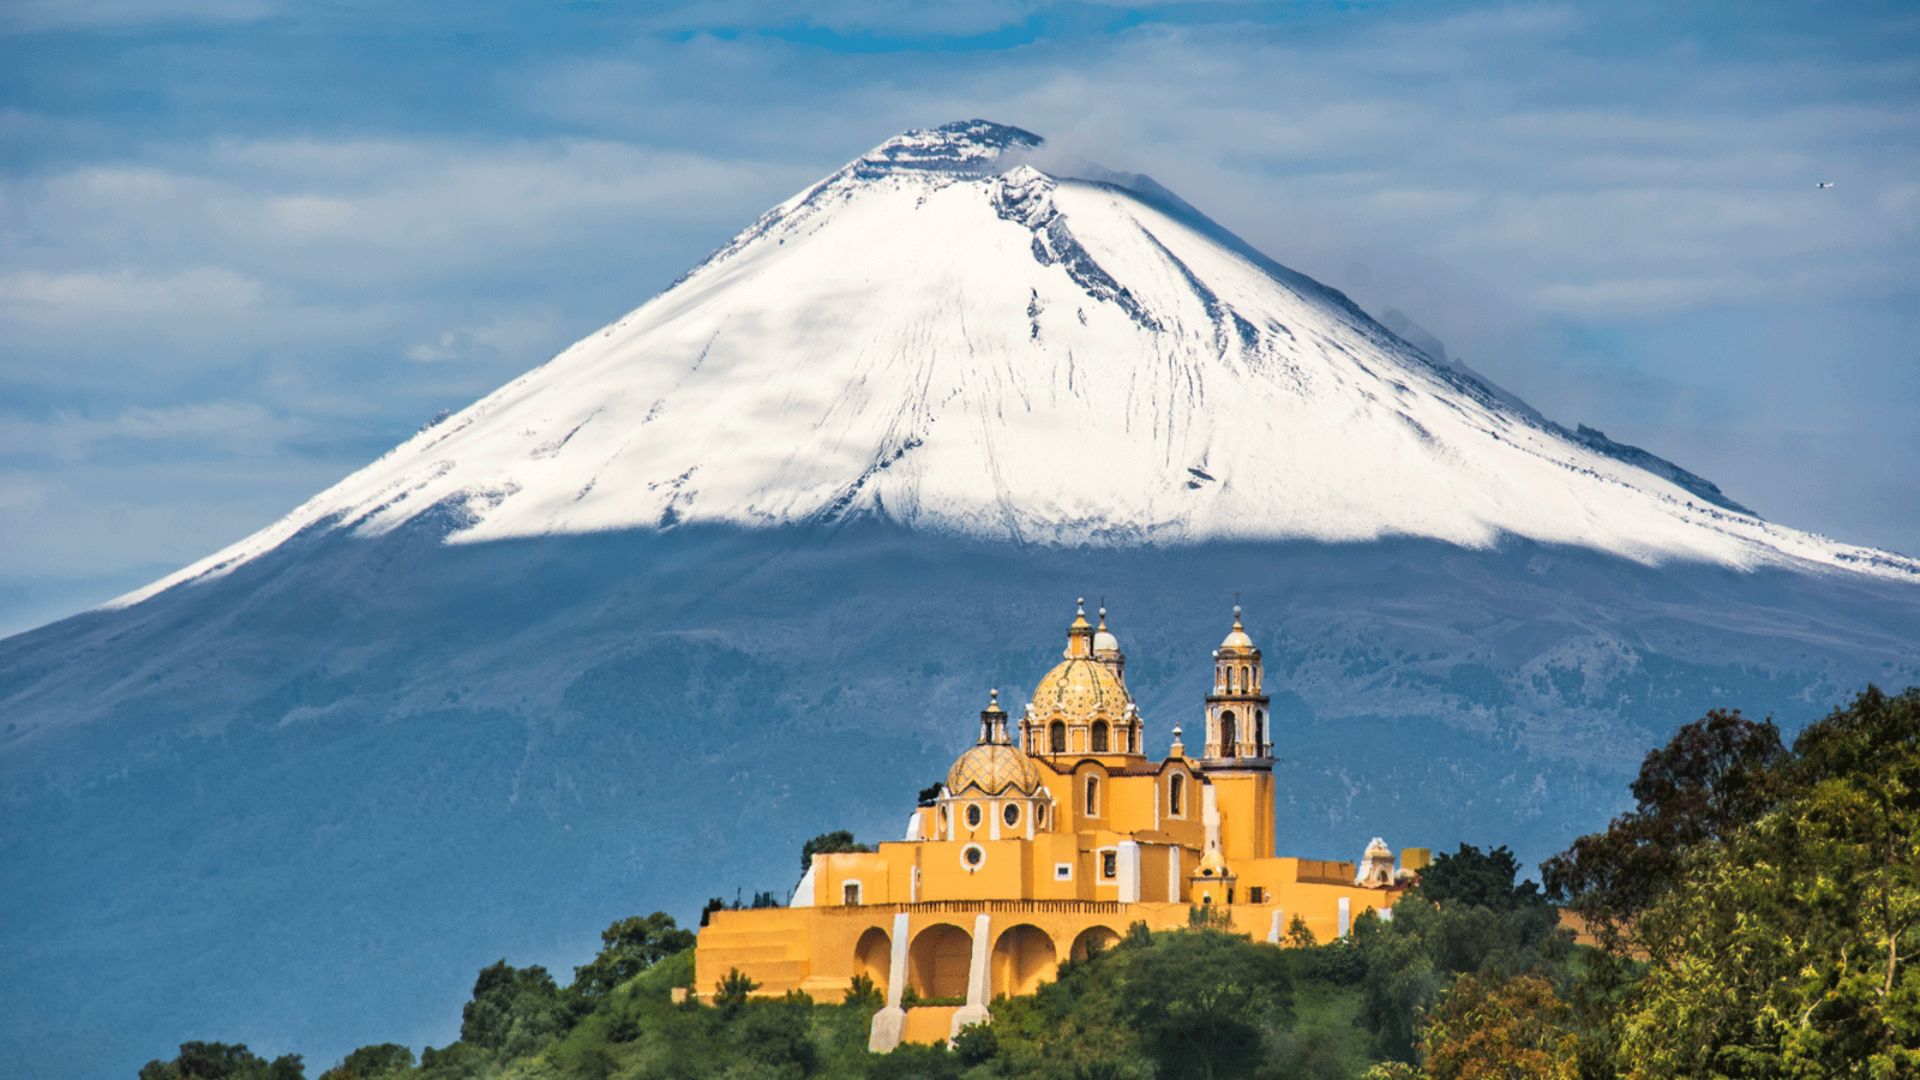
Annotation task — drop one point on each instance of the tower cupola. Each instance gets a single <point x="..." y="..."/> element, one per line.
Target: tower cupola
<point x="1237" y="734"/>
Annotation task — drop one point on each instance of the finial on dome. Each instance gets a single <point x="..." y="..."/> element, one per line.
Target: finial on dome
<point x="1236" y="617"/>
<point x="1080" y="633"/>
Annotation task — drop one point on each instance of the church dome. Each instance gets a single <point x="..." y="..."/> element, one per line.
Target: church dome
<point x="994" y="765"/>
<point x="1081" y="688"/>
<point x="995" y="769"/>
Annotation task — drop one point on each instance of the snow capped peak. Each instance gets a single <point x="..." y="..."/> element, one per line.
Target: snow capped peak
<point x="943" y="336"/>
<point x="963" y="147"/>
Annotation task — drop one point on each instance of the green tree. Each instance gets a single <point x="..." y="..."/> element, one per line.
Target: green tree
<point x="1299" y="934"/>
<point x="1489" y="879"/>
<point x="863" y="992"/>
<point x="222" y="1061"/>
<point x="1469" y="915"/>
<point x="733" y="989"/>
<point x="828" y="843"/>
<point x="1198" y="1000"/>
<point x="376" y="1062"/>
<point x="1785" y="948"/>
<point x="1716" y="775"/>
<point x="1494" y="1029"/>
<point x="627" y="948"/>
<point x="514" y="1011"/>
<point x="777" y="1033"/>
<point x="975" y="1044"/>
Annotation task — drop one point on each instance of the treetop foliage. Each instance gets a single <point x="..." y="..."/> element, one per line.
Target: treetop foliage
<point x="828" y="843"/>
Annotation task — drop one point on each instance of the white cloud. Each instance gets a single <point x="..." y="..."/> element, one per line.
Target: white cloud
<point x="505" y="337"/>
<point x="32" y="296"/>
<point x="222" y="427"/>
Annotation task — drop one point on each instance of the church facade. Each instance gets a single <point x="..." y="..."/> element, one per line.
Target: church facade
<point x="1052" y="834"/>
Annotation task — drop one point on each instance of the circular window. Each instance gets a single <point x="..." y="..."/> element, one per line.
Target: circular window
<point x="1011" y="815"/>
<point x="973" y="815"/>
<point x="973" y="855"/>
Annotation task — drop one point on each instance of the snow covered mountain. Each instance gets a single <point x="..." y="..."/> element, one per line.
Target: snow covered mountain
<point x="945" y="336"/>
<point x="738" y="568"/>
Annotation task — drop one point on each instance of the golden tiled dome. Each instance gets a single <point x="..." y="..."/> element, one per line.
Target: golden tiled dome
<point x="994" y="768"/>
<point x="1082" y="689"/>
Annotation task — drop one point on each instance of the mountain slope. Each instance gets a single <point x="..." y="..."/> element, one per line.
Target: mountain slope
<point x="944" y="337"/>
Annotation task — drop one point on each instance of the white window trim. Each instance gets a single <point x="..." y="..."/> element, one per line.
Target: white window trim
<point x="972" y="867"/>
<point x="857" y="893"/>
<point x="1063" y="871"/>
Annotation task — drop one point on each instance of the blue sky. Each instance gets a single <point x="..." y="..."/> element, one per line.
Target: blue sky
<point x="248" y="245"/>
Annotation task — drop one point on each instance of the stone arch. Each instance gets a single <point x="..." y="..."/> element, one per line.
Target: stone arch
<point x="872" y="955"/>
<point x="1023" y="958"/>
<point x="938" y="961"/>
<point x="1092" y="940"/>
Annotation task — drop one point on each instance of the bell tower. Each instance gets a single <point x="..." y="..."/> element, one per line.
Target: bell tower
<point x="1237" y="756"/>
<point x="1237" y="707"/>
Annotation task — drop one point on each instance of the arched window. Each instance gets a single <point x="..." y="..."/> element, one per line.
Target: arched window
<point x="1057" y="737"/>
<point x="1229" y="737"/>
<point x="1176" y="795"/>
<point x="1229" y="680"/>
<point x="1093" y="796"/>
<point x="1100" y="736"/>
<point x="1246" y="679"/>
<point x="1260" y="728"/>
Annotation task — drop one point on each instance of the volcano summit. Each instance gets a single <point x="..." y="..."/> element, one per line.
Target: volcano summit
<point x="588" y="646"/>
<point x="941" y="336"/>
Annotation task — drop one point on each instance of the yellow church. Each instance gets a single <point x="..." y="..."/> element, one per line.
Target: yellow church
<point x="1045" y="844"/>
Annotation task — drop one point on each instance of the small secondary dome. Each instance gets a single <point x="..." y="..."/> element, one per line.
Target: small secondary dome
<point x="1104" y="643"/>
<point x="993" y="766"/>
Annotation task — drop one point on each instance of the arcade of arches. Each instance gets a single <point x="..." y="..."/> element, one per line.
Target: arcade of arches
<point x="1052" y="833"/>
